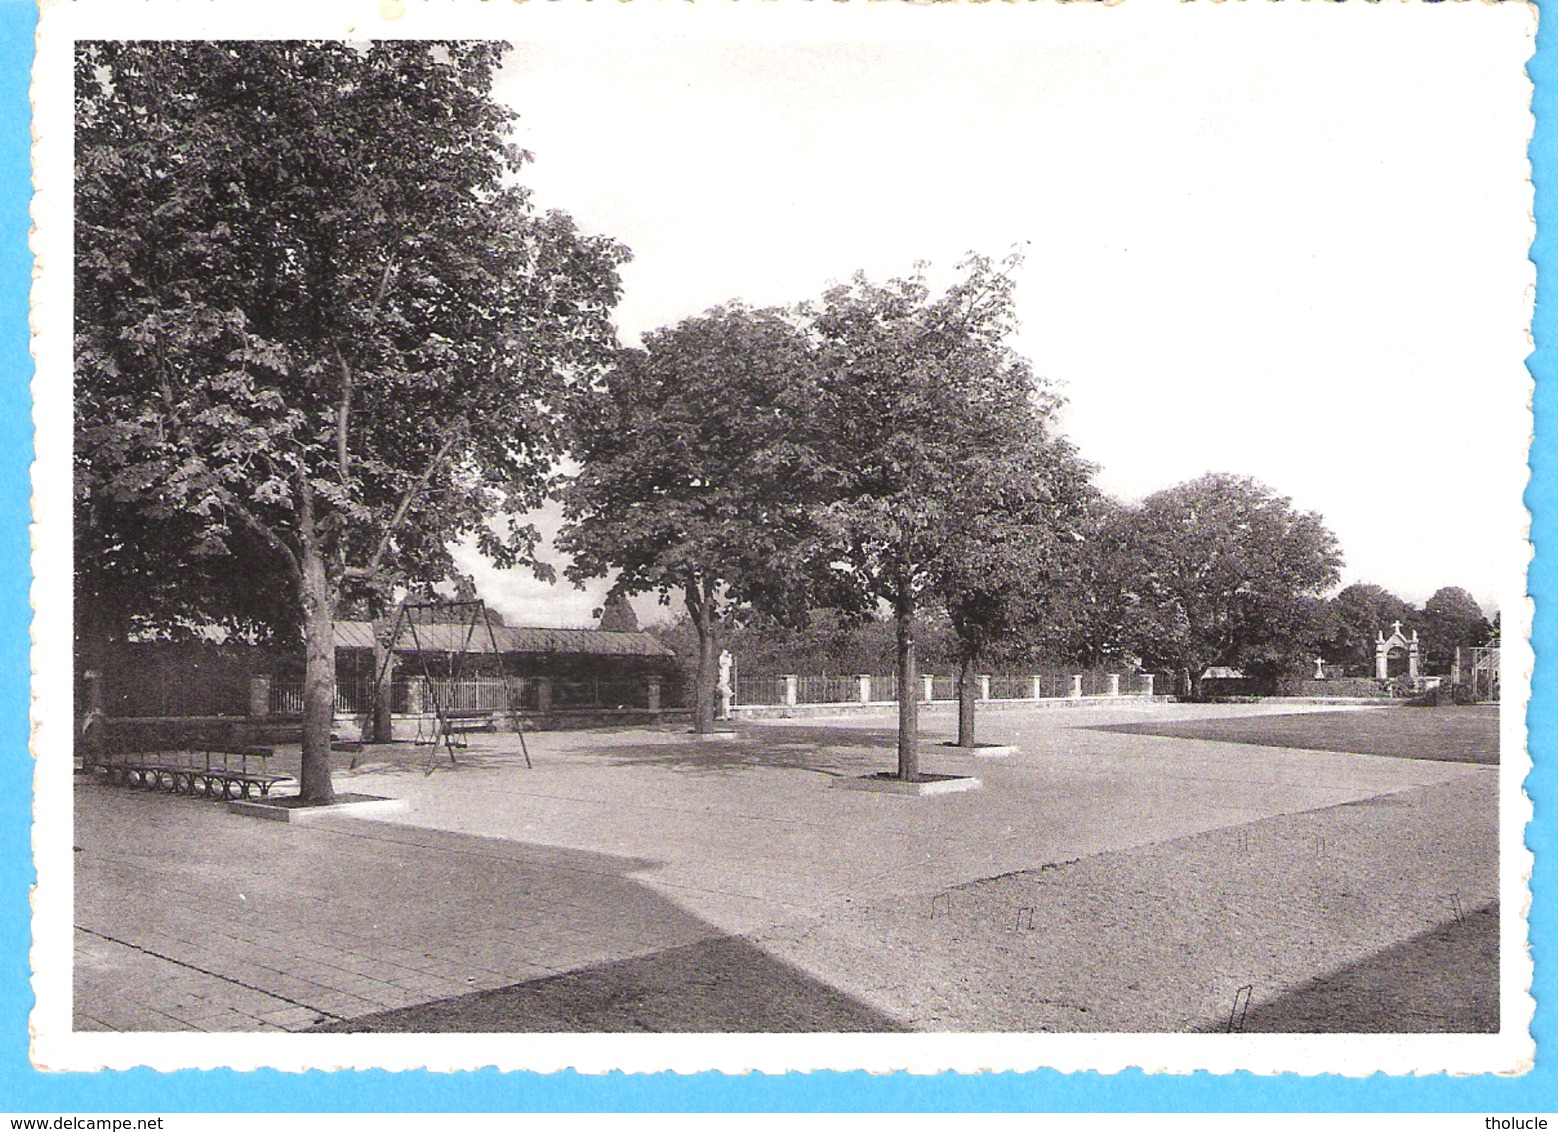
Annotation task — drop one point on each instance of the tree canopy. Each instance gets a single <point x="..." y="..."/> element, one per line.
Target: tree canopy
<point x="936" y="464"/>
<point x="321" y="330"/>
<point x="1225" y="572"/>
<point x="617" y="615"/>
<point x="1358" y="615"/>
<point x="690" y="480"/>
<point x="1452" y="619"/>
<point x="1008" y="551"/>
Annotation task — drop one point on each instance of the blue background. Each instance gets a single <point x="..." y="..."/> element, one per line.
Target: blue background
<point x="24" y="1090"/>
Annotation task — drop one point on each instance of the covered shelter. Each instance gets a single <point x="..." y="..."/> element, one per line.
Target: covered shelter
<point x="552" y="671"/>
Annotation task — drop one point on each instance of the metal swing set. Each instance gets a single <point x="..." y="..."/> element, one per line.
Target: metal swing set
<point x="450" y="724"/>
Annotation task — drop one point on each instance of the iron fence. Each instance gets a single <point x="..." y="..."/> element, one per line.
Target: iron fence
<point x="764" y="691"/>
<point x="1011" y="687"/>
<point x="827" y="690"/>
<point x="760" y="690"/>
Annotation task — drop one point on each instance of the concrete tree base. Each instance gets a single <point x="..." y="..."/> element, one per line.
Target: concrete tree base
<point x="889" y="783"/>
<point x="290" y="810"/>
<point x="980" y="750"/>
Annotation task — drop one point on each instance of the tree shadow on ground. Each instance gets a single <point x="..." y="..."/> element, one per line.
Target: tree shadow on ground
<point x="1444" y="980"/>
<point x="829" y="751"/>
<point x="836" y="751"/>
<point x="722" y="985"/>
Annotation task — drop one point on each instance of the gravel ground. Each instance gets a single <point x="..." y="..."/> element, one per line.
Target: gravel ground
<point x="1100" y="882"/>
<point x="1376" y="916"/>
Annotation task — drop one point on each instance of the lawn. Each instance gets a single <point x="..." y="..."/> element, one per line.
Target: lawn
<point x="1441" y="734"/>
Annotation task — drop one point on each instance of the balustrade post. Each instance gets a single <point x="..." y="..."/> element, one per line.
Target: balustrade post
<point x="259" y="695"/>
<point x="1114" y="683"/>
<point x="865" y="688"/>
<point x="1076" y="686"/>
<point x="929" y="683"/>
<point x="1038" y="689"/>
<point x="984" y="687"/>
<point x="1147" y="680"/>
<point x="792" y="689"/>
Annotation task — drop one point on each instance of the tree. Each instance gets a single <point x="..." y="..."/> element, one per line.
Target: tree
<point x="1006" y="554"/>
<point x="1452" y="619"/>
<point x="920" y="408"/>
<point x="617" y="615"/>
<point x="320" y="330"/>
<point x="690" y="481"/>
<point x="1223" y="573"/>
<point x="1088" y="604"/>
<point x="1359" y="614"/>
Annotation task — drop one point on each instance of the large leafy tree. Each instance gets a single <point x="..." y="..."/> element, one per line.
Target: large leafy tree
<point x="1452" y="619"/>
<point x="320" y="330"/>
<point x="926" y="419"/>
<point x="1225" y="572"/>
<point x="1358" y="615"/>
<point x="692" y="480"/>
<point x="1008" y="553"/>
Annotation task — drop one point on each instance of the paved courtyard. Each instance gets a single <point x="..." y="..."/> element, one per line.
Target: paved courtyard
<point x="638" y="879"/>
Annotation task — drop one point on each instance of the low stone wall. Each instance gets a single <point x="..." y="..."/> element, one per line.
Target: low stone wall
<point x="810" y="711"/>
<point x="350" y="728"/>
<point x="1363" y="687"/>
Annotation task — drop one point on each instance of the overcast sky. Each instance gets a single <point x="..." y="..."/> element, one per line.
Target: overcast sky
<point x="1283" y="241"/>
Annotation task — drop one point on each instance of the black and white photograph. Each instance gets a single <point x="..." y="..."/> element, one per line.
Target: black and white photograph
<point x="949" y="537"/>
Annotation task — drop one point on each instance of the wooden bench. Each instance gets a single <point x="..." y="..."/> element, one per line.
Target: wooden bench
<point x="459" y="722"/>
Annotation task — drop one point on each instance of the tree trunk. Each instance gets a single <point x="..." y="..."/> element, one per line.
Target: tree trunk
<point x="315" y="786"/>
<point x="1193" y="682"/>
<point x="908" y="689"/>
<point x="698" y="604"/>
<point x="383" y="723"/>
<point x="966" y="679"/>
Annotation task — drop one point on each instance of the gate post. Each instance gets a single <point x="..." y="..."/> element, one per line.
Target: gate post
<point x="1076" y="687"/>
<point x="259" y="695"/>
<point x="792" y="690"/>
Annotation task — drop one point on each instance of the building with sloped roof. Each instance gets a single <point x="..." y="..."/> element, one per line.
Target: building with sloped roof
<point x="474" y="667"/>
<point x="556" y="676"/>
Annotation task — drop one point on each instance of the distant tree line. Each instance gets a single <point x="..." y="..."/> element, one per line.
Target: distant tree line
<point x="1351" y="621"/>
<point x="879" y="474"/>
